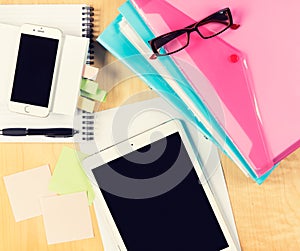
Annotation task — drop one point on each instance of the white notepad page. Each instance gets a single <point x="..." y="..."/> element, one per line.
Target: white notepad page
<point x="69" y="76"/>
<point x="67" y="17"/>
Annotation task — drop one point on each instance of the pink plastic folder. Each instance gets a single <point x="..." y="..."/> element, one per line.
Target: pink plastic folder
<point x="228" y="91"/>
<point x="269" y="34"/>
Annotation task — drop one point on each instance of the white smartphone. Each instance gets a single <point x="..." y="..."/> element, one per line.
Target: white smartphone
<point x="153" y="194"/>
<point x="35" y="70"/>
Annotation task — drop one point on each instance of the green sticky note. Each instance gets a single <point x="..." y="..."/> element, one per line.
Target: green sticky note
<point x="68" y="176"/>
<point x="88" y="86"/>
<point x="99" y="96"/>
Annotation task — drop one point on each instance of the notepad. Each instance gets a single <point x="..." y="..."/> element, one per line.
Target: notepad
<point x="69" y="69"/>
<point x="68" y="81"/>
<point x="67" y="17"/>
<point x="72" y="19"/>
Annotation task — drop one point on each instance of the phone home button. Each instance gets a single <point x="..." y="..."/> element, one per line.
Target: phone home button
<point x="27" y="109"/>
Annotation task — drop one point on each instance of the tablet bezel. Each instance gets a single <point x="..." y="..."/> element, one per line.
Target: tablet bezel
<point x="136" y="142"/>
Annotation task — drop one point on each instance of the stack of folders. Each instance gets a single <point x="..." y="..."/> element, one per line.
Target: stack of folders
<point x="214" y="82"/>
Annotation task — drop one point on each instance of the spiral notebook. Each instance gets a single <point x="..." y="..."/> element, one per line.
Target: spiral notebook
<point x="72" y="19"/>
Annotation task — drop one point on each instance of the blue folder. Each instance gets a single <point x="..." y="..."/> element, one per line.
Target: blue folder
<point x="119" y="46"/>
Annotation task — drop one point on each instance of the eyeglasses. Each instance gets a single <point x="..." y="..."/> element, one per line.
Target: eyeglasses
<point x="208" y="27"/>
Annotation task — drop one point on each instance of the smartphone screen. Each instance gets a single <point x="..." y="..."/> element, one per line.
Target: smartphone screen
<point x="179" y="219"/>
<point x="34" y="70"/>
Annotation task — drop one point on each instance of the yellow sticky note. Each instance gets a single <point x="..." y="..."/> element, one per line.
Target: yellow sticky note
<point x="86" y="104"/>
<point x="68" y="176"/>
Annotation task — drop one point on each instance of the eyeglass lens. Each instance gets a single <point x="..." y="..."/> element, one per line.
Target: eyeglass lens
<point x="172" y="42"/>
<point x="214" y="24"/>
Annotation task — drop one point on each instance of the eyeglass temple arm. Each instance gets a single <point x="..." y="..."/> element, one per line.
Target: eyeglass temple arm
<point x="153" y="56"/>
<point x="235" y="26"/>
<point x="205" y="21"/>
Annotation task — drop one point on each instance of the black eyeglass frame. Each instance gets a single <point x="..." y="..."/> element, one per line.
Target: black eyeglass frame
<point x="194" y="27"/>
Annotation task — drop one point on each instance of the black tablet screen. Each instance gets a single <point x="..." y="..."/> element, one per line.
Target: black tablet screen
<point x="181" y="218"/>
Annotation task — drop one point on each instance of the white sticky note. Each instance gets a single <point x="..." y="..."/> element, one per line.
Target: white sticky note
<point x="25" y="190"/>
<point x="90" y="72"/>
<point x="67" y="218"/>
<point x="72" y="60"/>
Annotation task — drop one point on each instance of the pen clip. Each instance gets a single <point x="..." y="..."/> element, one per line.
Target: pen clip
<point x="62" y="135"/>
<point x="59" y="136"/>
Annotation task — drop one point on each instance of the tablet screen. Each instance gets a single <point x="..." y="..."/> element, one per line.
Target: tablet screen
<point x="180" y="218"/>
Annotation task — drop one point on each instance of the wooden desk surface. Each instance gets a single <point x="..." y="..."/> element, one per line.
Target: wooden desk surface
<point x="267" y="216"/>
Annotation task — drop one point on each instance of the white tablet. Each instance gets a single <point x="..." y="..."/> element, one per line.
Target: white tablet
<point x="154" y="195"/>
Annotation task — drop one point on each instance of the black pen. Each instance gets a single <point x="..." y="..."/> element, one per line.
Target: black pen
<point x="47" y="132"/>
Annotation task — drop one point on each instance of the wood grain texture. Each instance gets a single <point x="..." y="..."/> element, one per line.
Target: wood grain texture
<point x="267" y="216"/>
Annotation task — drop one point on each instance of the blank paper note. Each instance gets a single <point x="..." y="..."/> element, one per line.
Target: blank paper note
<point x="25" y="190"/>
<point x="90" y="72"/>
<point x="67" y="218"/>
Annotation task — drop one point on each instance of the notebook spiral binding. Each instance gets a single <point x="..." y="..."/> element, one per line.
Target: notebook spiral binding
<point x="87" y="127"/>
<point x="87" y="122"/>
<point x="87" y="31"/>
